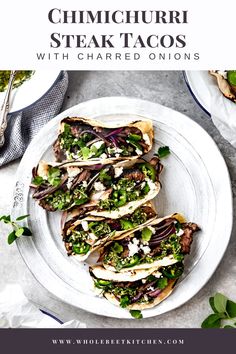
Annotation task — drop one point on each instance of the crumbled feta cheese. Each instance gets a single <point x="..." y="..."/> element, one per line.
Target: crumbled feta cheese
<point x="103" y="156"/>
<point x="114" y="150"/>
<point x="135" y="241"/>
<point x="118" y="171"/>
<point x="73" y="171"/>
<point x="157" y="274"/>
<point x="133" y="248"/>
<point x="85" y="184"/>
<point x="98" y="186"/>
<point x="143" y="185"/>
<point x="151" y="288"/>
<point x="145" y="249"/>
<point x="138" y="152"/>
<point x="151" y="184"/>
<point x="98" y="144"/>
<point x="146" y="138"/>
<point x="180" y="232"/>
<point x="152" y="229"/>
<point x="84" y="224"/>
<point x="144" y="281"/>
<point x="145" y="297"/>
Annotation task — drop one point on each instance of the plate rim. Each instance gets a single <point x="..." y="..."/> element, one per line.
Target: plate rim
<point x="229" y="229"/>
<point x="193" y="94"/>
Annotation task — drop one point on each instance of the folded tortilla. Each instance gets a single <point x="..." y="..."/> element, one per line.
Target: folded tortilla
<point x="84" y="139"/>
<point x="82" y="236"/>
<point x="141" y="289"/>
<point x="145" y="305"/>
<point x="160" y="243"/>
<point x="103" y="190"/>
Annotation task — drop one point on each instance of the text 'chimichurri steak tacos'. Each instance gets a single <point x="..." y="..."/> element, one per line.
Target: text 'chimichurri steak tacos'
<point x="83" y="236"/>
<point x="162" y="242"/>
<point x="103" y="190"/>
<point x="136" y="289"/>
<point x="87" y="139"/>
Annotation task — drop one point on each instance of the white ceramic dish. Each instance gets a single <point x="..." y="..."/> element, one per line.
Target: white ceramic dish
<point x="190" y="185"/>
<point x="31" y="90"/>
<point x="198" y="83"/>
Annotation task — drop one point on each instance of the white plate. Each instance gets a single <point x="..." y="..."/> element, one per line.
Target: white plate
<point x="31" y="90"/>
<point x="198" y="83"/>
<point x="195" y="182"/>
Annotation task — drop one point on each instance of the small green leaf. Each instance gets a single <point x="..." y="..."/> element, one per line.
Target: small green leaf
<point x="19" y="232"/>
<point x="124" y="301"/>
<point x="146" y="234"/>
<point x="162" y="283"/>
<point x="54" y="178"/>
<point x="22" y="217"/>
<point x="231" y="308"/>
<point x="136" y="314"/>
<point x="211" y="302"/>
<point x="27" y="232"/>
<point x="6" y="219"/>
<point x="38" y="180"/>
<point x="85" y="152"/>
<point x="220" y="303"/>
<point x="163" y="151"/>
<point x="212" y="321"/>
<point x="11" y="237"/>
<point x="117" y="248"/>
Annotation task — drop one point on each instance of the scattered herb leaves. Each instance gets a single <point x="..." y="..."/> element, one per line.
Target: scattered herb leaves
<point x="124" y="301"/>
<point x="220" y="302"/>
<point x="163" y="151"/>
<point x="37" y="181"/>
<point x="136" y="314"/>
<point x="212" y="321"/>
<point x="224" y="310"/>
<point x="18" y="230"/>
<point x="231" y="309"/>
<point x="54" y="176"/>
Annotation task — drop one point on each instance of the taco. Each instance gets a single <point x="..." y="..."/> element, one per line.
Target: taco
<point x="226" y="81"/>
<point x="83" y="236"/>
<point x="84" y="139"/>
<point x="136" y="289"/>
<point x="161" y="243"/>
<point x="102" y="190"/>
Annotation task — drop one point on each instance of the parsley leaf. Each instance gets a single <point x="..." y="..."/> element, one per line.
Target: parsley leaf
<point x="163" y="151"/>
<point x="162" y="283"/>
<point x="37" y="181"/>
<point x="54" y="176"/>
<point x="146" y="234"/>
<point x="124" y="301"/>
<point x="136" y="314"/>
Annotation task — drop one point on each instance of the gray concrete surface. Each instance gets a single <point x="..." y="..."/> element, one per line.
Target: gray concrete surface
<point x="167" y="88"/>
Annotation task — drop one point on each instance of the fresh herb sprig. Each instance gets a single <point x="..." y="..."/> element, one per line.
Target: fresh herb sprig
<point x="223" y="310"/>
<point x="136" y="314"/>
<point x="17" y="229"/>
<point x="163" y="151"/>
